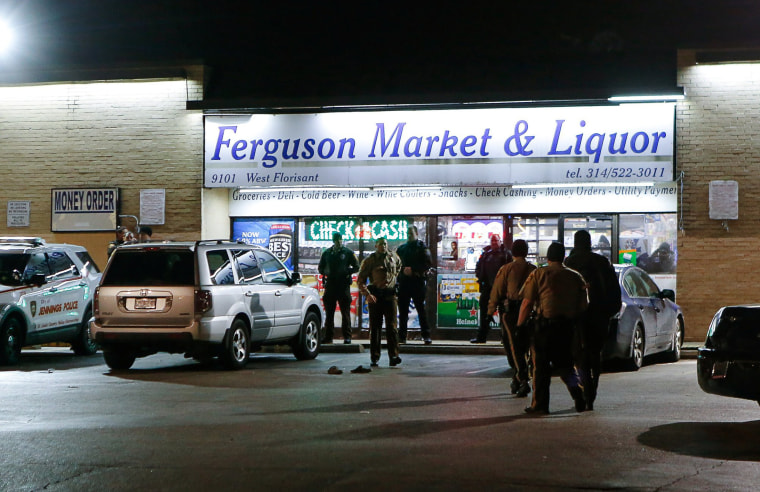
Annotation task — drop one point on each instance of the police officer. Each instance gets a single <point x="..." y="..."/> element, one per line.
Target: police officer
<point x="493" y="258"/>
<point x="336" y="264"/>
<point x="415" y="263"/>
<point x="381" y="268"/>
<point x="559" y="297"/>
<point x="506" y="298"/>
<point x="604" y="302"/>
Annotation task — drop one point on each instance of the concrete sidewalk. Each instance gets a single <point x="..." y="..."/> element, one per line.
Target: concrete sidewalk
<point x="358" y="345"/>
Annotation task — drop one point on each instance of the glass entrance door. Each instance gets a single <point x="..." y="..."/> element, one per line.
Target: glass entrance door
<point x="601" y="228"/>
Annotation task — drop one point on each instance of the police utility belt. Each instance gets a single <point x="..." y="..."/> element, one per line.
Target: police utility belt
<point x="380" y="292"/>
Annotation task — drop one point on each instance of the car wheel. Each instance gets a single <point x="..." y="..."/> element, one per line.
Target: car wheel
<point x="83" y="344"/>
<point x="637" y="349"/>
<point x="10" y="342"/>
<point x="237" y="346"/>
<point x="307" y="344"/>
<point x="674" y="355"/>
<point x="119" y="360"/>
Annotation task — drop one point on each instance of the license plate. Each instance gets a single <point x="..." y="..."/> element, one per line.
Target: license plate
<point x="145" y="303"/>
<point x="719" y="370"/>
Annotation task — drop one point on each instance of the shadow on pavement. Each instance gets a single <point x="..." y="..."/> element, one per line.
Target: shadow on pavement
<point x="715" y="440"/>
<point x="60" y="359"/>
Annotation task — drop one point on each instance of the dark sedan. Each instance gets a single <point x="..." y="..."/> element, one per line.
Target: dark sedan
<point x="649" y="321"/>
<point x="729" y="363"/>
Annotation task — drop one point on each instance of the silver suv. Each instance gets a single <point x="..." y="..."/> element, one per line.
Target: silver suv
<point x="45" y="296"/>
<point x="203" y="299"/>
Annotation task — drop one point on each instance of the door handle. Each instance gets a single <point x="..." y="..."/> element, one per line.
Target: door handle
<point x="278" y="293"/>
<point x="250" y="294"/>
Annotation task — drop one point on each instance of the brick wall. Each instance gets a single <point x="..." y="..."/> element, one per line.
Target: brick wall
<point x="718" y="138"/>
<point x="128" y="134"/>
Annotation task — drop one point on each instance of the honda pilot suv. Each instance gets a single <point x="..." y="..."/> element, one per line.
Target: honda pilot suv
<point x="45" y="296"/>
<point x="204" y="299"/>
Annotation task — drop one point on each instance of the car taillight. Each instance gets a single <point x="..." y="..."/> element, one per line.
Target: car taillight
<point x="202" y="301"/>
<point x="96" y="302"/>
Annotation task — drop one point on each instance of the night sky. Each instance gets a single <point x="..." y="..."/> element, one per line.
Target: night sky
<point x="375" y="52"/>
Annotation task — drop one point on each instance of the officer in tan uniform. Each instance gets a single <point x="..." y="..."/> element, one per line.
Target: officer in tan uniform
<point x="381" y="268"/>
<point x="506" y="298"/>
<point x="559" y="296"/>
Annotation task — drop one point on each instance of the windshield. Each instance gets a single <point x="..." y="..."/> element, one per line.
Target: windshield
<point x="156" y="267"/>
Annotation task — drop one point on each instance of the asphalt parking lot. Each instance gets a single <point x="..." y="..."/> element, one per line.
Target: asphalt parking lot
<point x="436" y="422"/>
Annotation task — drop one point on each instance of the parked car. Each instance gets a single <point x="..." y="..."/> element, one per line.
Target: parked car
<point x="203" y="299"/>
<point x="729" y="362"/>
<point x="45" y="296"/>
<point x="649" y="320"/>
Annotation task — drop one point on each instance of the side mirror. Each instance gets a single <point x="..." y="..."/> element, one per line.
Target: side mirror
<point x="295" y="278"/>
<point x="37" y="279"/>
<point x="668" y="294"/>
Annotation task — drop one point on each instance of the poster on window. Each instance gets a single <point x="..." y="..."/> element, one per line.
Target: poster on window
<point x="273" y="234"/>
<point x="458" y="301"/>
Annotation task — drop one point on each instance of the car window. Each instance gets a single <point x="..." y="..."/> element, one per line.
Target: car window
<point x="650" y="287"/>
<point x="248" y="266"/>
<point x="633" y="285"/>
<point x="10" y="263"/>
<point x="37" y="265"/>
<point x="61" y="266"/>
<point x="150" y="267"/>
<point x="274" y="270"/>
<point x="220" y="267"/>
<point x="87" y="261"/>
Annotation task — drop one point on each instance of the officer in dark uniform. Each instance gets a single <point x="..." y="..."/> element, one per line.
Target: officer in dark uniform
<point x="493" y="258"/>
<point x="336" y="265"/>
<point x="506" y="298"/>
<point x="381" y="268"/>
<point x="415" y="263"/>
<point x="604" y="301"/>
<point x="559" y="297"/>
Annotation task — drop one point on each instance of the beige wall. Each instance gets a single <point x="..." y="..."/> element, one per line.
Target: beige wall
<point x="718" y="138"/>
<point x="128" y="134"/>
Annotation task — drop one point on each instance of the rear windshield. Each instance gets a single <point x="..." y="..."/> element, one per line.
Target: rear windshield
<point x="155" y="267"/>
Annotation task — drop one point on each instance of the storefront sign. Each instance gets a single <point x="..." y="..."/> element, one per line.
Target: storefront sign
<point x="84" y="209"/>
<point x="626" y="143"/>
<point x="323" y="229"/>
<point x="458" y="200"/>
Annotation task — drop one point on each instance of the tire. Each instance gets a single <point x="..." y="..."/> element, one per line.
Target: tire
<point x="307" y="343"/>
<point x="83" y="344"/>
<point x="237" y="346"/>
<point x="637" y="349"/>
<point x="674" y="355"/>
<point x="11" y="336"/>
<point x="119" y="360"/>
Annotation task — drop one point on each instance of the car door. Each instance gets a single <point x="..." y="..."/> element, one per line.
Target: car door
<point x="665" y="316"/>
<point x="639" y="295"/>
<point x="259" y="297"/>
<point x="287" y="304"/>
<point x="39" y="301"/>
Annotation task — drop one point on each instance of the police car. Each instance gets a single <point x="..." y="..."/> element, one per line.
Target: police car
<point x="45" y="296"/>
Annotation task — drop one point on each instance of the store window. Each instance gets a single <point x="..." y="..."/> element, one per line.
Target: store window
<point x="649" y="241"/>
<point x="538" y="232"/>
<point x="359" y="235"/>
<point x="462" y="243"/>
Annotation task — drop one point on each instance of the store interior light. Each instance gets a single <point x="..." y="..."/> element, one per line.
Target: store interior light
<point x="573" y="185"/>
<point x="6" y="37"/>
<point x="642" y="98"/>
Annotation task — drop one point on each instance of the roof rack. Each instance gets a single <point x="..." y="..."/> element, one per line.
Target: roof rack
<point x="31" y="241"/>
